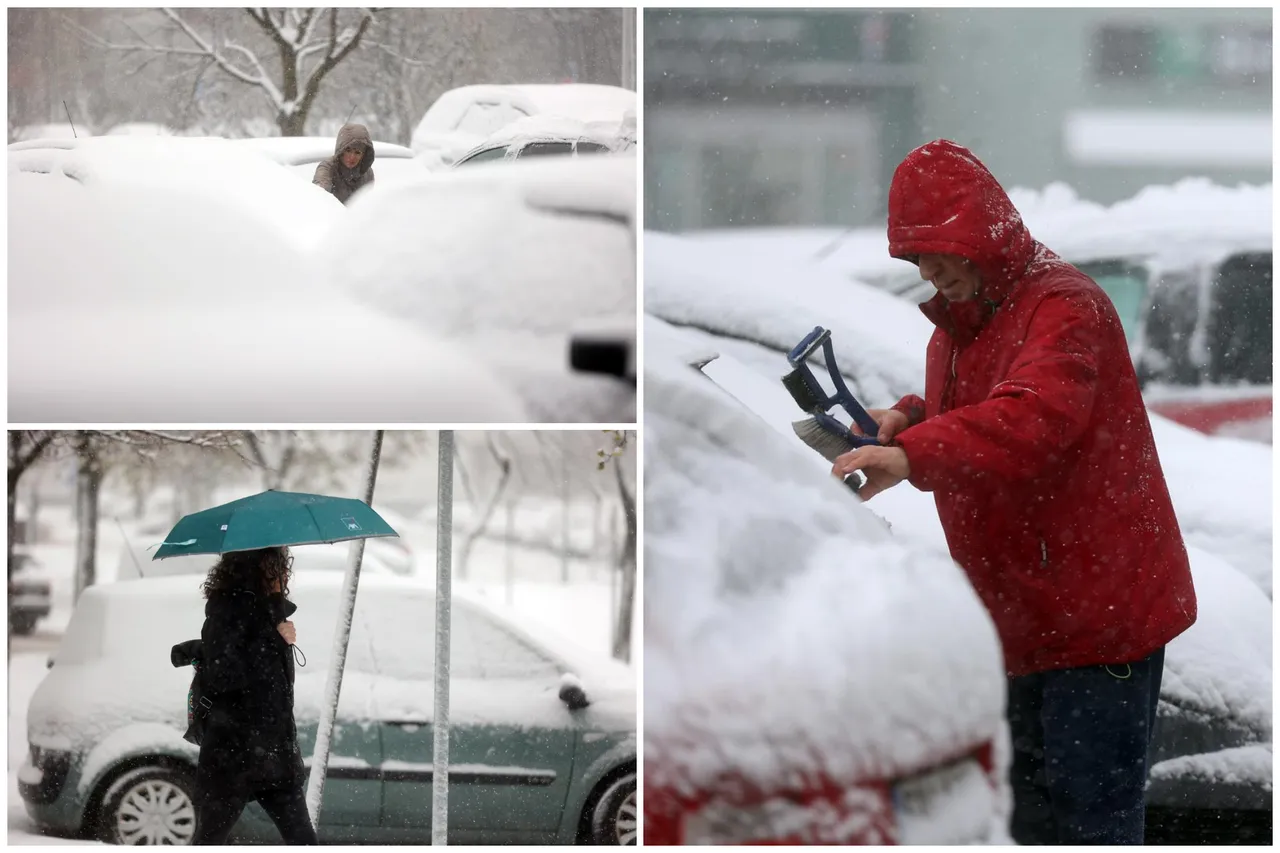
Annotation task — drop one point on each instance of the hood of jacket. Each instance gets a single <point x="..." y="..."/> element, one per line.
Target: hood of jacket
<point x="943" y="200"/>
<point x="357" y="136"/>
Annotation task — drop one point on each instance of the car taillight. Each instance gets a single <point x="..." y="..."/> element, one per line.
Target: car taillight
<point x="821" y="812"/>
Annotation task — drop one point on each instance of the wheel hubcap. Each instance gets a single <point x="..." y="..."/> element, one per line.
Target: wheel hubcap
<point x="625" y="824"/>
<point x="155" y="812"/>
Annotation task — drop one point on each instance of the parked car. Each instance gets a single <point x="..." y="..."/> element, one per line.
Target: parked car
<point x="552" y="136"/>
<point x="30" y="592"/>
<point x="809" y="677"/>
<point x="172" y="279"/>
<point x="462" y="118"/>
<point x="1211" y="755"/>
<point x="506" y="261"/>
<point x="1188" y="267"/>
<point x="393" y="164"/>
<point x="105" y="725"/>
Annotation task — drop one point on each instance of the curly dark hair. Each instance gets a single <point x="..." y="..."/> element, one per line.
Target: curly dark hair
<point x="255" y="571"/>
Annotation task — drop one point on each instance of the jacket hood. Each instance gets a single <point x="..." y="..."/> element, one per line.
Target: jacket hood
<point x="943" y="200"/>
<point x="354" y="134"/>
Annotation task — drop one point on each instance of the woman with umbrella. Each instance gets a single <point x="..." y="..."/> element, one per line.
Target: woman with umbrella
<point x="250" y="746"/>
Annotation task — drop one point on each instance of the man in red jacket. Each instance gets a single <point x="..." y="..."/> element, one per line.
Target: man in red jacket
<point x="1033" y="437"/>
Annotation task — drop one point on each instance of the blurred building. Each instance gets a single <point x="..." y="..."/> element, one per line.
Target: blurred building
<point x="798" y="117"/>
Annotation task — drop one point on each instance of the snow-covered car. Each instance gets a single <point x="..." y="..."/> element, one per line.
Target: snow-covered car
<point x="1213" y="741"/>
<point x="1188" y="267"/>
<point x="140" y="128"/>
<point x="393" y="164"/>
<point x="30" y="592"/>
<point x="173" y="280"/>
<point x="32" y="132"/>
<point x="464" y="117"/>
<point x="809" y="677"/>
<point x="107" y="758"/>
<point x="507" y="261"/>
<point x="552" y="136"/>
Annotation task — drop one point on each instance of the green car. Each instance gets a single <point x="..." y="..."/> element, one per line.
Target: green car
<point x="107" y="758"/>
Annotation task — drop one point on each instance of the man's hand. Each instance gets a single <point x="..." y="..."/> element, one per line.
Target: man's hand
<point x="885" y="467"/>
<point x="891" y="423"/>
<point x="286" y="631"/>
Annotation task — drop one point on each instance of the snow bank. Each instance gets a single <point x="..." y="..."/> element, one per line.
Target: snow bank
<point x="763" y="580"/>
<point x="879" y="340"/>
<point x="153" y="297"/>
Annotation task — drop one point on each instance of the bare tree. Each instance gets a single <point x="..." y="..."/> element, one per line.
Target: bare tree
<point x="309" y="45"/>
<point x="619" y="440"/>
<point x="26" y="447"/>
<point x="287" y="457"/>
<point x="481" y="519"/>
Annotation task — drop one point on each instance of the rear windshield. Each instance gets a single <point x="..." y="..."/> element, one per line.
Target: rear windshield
<point x="1239" y="323"/>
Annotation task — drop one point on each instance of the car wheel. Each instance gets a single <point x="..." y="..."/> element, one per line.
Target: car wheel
<point x="23" y="623"/>
<point x="614" y="820"/>
<point x="149" y="805"/>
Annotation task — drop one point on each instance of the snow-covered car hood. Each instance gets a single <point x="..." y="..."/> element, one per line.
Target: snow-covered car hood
<point x="785" y="630"/>
<point x="151" y="298"/>
<point x="504" y="262"/>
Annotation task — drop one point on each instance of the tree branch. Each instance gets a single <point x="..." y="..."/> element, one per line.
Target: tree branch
<point x="213" y="54"/>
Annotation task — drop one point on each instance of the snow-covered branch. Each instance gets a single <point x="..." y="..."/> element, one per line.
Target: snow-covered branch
<point x="208" y="49"/>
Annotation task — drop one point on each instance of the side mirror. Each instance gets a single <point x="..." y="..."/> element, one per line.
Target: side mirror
<point x="572" y="692"/>
<point x="604" y="350"/>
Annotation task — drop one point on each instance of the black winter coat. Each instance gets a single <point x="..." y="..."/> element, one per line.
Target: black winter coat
<point x="251" y="739"/>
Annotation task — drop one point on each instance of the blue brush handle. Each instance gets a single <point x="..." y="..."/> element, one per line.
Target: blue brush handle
<point x="800" y="352"/>
<point x="845" y="397"/>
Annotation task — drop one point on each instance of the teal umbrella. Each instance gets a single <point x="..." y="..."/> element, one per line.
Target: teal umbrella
<point x="271" y="519"/>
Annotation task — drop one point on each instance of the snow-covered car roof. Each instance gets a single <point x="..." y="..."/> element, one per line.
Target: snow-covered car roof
<point x="583" y="101"/>
<point x="302" y="150"/>
<point x="787" y="633"/>
<point x="461" y="118"/>
<point x="171" y="280"/>
<point x="1224" y="511"/>
<point x="553" y="128"/>
<point x="506" y="260"/>
<point x="1191" y="221"/>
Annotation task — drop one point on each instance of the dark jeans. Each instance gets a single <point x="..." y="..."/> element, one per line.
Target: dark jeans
<point x="286" y="806"/>
<point x="1080" y="741"/>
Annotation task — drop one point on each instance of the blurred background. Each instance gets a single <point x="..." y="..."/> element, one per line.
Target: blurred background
<point x="134" y="70"/>
<point x="544" y="521"/>
<point x="798" y="117"/>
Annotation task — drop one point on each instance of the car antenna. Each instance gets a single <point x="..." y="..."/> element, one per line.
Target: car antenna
<point x="69" y="121"/>
<point x="350" y="114"/>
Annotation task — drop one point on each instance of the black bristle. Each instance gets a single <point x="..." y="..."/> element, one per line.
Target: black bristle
<point x="805" y="390"/>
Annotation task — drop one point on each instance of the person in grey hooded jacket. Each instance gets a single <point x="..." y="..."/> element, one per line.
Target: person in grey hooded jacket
<point x="350" y="167"/>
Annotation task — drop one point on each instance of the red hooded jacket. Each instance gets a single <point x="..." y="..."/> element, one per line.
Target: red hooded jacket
<point x="1033" y="436"/>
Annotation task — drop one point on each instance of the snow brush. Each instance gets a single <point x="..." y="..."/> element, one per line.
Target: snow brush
<point x="821" y="430"/>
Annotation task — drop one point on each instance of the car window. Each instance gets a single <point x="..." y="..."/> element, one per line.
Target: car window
<point x="592" y="148"/>
<point x="1239" y="327"/>
<point x="1167" y="354"/>
<point x="1126" y="285"/>
<point x="488" y="154"/>
<point x="479" y="647"/>
<point x="544" y="149"/>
